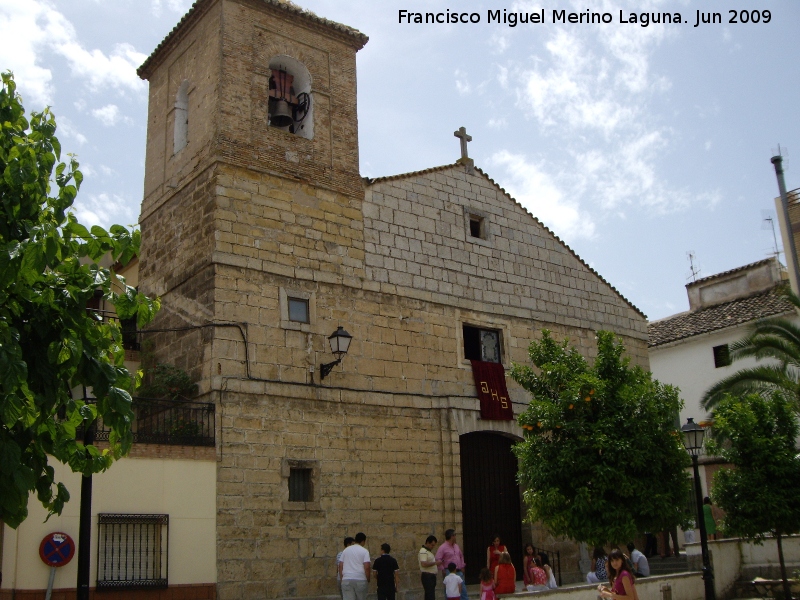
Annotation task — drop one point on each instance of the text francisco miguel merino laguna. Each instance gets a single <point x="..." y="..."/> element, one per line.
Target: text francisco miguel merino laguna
<point x="643" y="19"/>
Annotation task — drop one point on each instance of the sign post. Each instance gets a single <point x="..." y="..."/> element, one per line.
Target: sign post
<point x="56" y="550"/>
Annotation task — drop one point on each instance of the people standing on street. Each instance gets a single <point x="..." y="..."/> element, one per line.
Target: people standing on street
<point x="641" y="568"/>
<point x="428" y="567"/>
<point x="673" y="531"/>
<point x="453" y="584"/>
<point x="493" y="553"/>
<point x="708" y="516"/>
<point x="387" y="574"/>
<point x="622" y="581"/>
<point x="348" y="541"/>
<point x="355" y="570"/>
<point x="449" y="552"/>
<point x="505" y="575"/>
<point x="598" y="572"/>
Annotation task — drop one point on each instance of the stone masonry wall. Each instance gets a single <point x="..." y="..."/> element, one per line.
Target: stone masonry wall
<point x="417" y="240"/>
<point x="385" y="468"/>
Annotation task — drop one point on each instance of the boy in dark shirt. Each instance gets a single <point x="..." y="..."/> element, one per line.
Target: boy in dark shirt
<point x="387" y="573"/>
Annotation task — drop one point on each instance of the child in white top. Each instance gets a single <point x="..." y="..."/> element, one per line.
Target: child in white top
<point x="452" y="583"/>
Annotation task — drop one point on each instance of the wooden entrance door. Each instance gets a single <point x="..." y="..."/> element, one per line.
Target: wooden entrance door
<point x="490" y="502"/>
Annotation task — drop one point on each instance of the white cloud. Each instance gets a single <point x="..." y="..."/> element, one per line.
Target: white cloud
<point x="462" y="84"/>
<point x="177" y="6"/>
<point x="22" y="36"/>
<point x="536" y="190"/>
<point x="588" y="89"/>
<point x="107" y="115"/>
<point x="31" y="28"/>
<point x="102" y="209"/>
<point x="67" y="128"/>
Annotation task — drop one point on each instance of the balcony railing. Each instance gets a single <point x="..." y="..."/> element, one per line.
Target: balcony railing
<point x="172" y="422"/>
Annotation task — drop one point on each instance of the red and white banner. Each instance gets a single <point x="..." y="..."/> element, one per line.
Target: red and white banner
<point x="490" y="379"/>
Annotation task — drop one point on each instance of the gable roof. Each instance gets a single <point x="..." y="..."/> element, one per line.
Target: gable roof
<point x="761" y="305"/>
<point x="373" y="180"/>
<point x="199" y="7"/>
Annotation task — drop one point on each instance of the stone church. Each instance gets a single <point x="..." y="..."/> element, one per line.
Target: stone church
<point x="263" y="240"/>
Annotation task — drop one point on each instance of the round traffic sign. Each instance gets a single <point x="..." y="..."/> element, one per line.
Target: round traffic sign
<point x="56" y="549"/>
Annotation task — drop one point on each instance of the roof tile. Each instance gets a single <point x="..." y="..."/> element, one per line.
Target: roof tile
<point x="770" y="303"/>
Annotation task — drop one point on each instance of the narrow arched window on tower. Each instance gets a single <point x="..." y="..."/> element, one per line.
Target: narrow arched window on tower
<point x="290" y="101"/>
<point x="181" y="118"/>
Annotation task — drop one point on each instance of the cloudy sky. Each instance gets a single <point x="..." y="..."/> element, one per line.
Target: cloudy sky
<point x="634" y="144"/>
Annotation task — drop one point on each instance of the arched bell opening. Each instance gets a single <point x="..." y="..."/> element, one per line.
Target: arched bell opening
<point x="291" y="106"/>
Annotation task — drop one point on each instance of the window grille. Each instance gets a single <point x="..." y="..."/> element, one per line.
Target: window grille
<point x="300" y="485"/>
<point x="722" y="356"/>
<point x="132" y="551"/>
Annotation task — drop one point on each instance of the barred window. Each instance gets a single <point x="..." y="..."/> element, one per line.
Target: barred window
<point x="300" y="485"/>
<point x="132" y="551"/>
<point x="722" y="356"/>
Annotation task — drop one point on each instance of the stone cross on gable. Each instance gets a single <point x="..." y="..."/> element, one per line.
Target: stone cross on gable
<point x="465" y="159"/>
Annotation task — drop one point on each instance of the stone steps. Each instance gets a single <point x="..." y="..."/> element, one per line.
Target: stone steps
<point x="665" y="566"/>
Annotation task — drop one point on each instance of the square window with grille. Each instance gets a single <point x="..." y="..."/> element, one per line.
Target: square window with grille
<point x="481" y="344"/>
<point x="298" y="310"/>
<point x="132" y="551"/>
<point x="722" y="356"/>
<point x="300" y="485"/>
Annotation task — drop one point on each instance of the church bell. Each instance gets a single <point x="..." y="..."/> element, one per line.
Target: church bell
<point x="282" y="99"/>
<point x="282" y="114"/>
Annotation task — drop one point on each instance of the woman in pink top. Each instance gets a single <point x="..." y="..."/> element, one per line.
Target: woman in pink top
<point x="622" y="580"/>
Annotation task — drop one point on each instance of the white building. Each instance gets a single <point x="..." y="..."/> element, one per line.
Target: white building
<point x="690" y="350"/>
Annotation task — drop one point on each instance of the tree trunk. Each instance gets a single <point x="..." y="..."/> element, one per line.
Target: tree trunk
<point x="787" y="589"/>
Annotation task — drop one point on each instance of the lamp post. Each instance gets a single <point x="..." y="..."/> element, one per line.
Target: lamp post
<point x="340" y="344"/>
<point x="693" y="436"/>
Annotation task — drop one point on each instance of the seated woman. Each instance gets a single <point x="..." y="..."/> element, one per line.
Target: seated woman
<point x="505" y="576"/>
<point x="538" y="576"/>
<point x="598" y="572"/>
<point x="622" y="580"/>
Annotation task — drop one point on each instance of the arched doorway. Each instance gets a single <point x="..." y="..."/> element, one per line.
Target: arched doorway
<point x="490" y="501"/>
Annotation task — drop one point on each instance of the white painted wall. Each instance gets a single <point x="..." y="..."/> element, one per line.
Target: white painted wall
<point x="183" y="489"/>
<point x="689" y="365"/>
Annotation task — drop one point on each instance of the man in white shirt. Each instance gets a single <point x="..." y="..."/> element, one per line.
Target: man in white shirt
<point x="355" y="569"/>
<point x="639" y="560"/>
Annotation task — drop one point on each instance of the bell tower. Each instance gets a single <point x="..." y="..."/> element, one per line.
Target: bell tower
<point x="251" y="175"/>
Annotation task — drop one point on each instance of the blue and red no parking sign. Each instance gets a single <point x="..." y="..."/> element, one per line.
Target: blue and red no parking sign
<point x="56" y="549"/>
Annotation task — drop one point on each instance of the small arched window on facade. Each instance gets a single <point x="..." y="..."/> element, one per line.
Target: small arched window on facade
<point x="290" y="102"/>
<point x="181" y="118"/>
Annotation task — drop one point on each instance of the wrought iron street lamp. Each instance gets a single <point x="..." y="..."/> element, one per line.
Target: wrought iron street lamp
<point x="693" y="436"/>
<point x="340" y="344"/>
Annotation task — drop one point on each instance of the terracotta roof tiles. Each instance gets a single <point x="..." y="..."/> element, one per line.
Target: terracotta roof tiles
<point x="770" y="303"/>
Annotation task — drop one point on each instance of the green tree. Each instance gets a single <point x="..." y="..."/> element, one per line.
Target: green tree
<point x="49" y="342"/>
<point x="602" y="458"/>
<point x="760" y="494"/>
<point x="776" y="340"/>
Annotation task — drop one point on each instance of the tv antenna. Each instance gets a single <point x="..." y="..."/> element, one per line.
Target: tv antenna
<point x="694" y="270"/>
<point x="768" y="222"/>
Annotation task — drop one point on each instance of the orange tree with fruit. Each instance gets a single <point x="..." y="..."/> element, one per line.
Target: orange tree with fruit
<point x="601" y="460"/>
